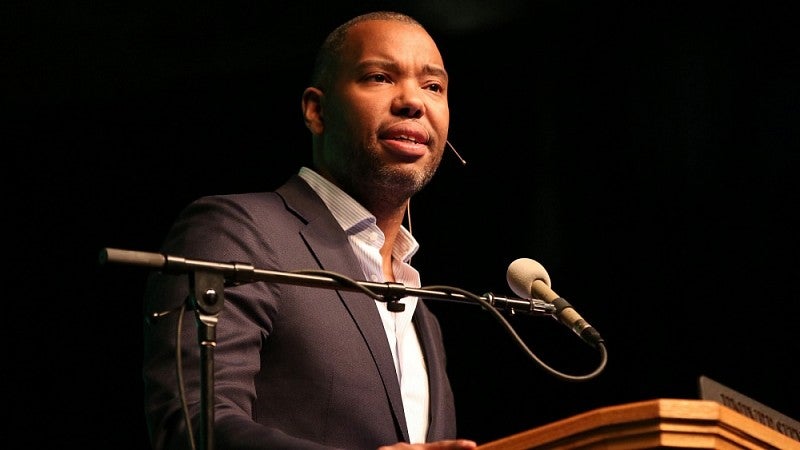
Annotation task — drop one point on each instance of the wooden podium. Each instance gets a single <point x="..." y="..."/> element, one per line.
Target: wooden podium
<point x="651" y="424"/>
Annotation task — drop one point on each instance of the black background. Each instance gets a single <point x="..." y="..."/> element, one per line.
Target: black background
<point x="646" y="153"/>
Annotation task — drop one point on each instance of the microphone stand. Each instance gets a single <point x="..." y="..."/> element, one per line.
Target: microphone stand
<point x="207" y="281"/>
<point x="207" y="296"/>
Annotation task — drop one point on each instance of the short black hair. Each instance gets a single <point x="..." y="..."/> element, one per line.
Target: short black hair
<point x="327" y="58"/>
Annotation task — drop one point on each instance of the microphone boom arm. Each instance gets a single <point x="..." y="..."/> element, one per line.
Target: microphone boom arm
<point x="240" y="273"/>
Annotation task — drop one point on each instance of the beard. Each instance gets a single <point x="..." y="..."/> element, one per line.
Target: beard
<point x="378" y="185"/>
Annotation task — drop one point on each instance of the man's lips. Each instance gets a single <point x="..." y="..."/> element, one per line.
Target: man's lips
<point x="406" y="139"/>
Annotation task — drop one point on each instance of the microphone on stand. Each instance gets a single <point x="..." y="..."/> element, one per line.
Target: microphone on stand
<point x="529" y="279"/>
<point x="236" y="273"/>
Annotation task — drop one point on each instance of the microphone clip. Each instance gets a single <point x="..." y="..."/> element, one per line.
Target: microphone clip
<point x="530" y="306"/>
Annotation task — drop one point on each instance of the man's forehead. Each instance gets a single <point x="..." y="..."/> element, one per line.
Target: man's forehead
<point x="389" y="37"/>
<point x="380" y="31"/>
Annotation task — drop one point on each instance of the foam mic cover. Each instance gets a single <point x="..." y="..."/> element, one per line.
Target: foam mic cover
<point x="521" y="275"/>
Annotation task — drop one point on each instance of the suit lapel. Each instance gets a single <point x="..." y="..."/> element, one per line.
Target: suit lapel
<point x="329" y="245"/>
<point x="436" y="372"/>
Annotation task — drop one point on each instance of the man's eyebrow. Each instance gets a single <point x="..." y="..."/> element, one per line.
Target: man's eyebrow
<point x="436" y="71"/>
<point x="428" y="69"/>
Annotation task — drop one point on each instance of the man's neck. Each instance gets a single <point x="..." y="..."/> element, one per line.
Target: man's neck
<point x="390" y="225"/>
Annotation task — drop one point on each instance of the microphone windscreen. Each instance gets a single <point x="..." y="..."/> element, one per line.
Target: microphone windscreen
<point x="522" y="273"/>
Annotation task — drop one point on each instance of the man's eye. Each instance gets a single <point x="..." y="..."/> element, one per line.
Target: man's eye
<point x="378" y="77"/>
<point x="435" y="87"/>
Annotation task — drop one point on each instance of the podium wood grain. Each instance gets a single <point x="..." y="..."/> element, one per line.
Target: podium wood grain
<point x="650" y="424"/>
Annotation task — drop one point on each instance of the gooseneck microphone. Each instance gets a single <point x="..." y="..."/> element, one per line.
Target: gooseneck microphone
<point x="528" y="279"/>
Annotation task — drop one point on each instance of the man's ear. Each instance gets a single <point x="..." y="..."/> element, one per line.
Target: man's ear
<point x="312" y="109"/>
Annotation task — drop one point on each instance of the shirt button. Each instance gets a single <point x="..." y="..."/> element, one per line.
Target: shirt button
<point x="374" y="277"/>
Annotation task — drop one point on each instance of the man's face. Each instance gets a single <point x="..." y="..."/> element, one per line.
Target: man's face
<point x="386" y="115"/>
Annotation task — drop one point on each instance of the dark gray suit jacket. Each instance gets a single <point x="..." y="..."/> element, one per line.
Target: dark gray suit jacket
<point x="295" y="367"/>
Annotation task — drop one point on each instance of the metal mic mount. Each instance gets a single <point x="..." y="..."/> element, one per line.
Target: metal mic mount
<point x="239" y="273"/>
<point x="515" y="305"/>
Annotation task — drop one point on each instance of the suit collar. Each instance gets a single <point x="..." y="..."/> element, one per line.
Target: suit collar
<point x="328" y="243"/>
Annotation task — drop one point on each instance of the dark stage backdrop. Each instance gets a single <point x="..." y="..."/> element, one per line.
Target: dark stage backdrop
<point x="646" y="153"/>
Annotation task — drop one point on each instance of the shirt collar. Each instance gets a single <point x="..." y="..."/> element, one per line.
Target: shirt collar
<point x="351" y="216"/>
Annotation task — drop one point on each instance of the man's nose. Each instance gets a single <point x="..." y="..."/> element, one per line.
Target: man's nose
<point x="409" y="102"/>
